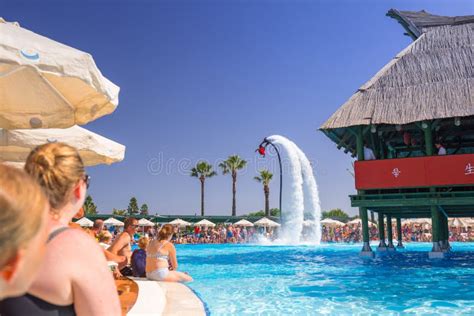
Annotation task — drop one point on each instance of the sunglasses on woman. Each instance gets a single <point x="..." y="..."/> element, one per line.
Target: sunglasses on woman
<point x="87" y="180"/>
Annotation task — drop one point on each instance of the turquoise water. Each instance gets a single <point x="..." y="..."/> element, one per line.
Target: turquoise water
<point x="329" y="279"/>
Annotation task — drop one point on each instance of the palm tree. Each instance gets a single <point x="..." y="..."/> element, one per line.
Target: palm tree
<point x="202" y="171"/>
<point x="232" y="165"/>
<point x="265" y="178"/>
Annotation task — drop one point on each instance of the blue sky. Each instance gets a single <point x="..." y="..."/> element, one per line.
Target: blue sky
<point x="206" y="79"/>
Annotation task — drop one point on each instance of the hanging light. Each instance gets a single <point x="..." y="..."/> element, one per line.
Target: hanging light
<point x="398" y="127"/>
<point x="457" y="121"/>
<point x="373" y="129"/>
<point x="424" y="125"/>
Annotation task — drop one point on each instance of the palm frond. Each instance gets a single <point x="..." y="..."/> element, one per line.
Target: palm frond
<point x="203" y="169"/>
<point x="224" y="167"/>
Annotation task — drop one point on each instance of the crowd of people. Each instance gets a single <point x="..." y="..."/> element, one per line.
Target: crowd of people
<point x="413" y="232"/>
<point x="221" y="234"/>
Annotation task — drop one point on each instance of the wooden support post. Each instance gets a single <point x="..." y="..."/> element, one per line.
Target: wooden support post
<point x="399" y="233"/>
<point x="382" y="246"/>
<point x="435" y="216"/>
<point x="389" y="233"/>
<point x="366" y="249"/>
<point x="442" y="232"/>
<point x="365" y="230"/>
<point x="360" y="144"/>
<point x="445" y="246"/>
<point x="448" y="245"/>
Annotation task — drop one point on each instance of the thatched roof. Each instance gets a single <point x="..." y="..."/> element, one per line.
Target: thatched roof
<point x="433" y="78"/>
<point x="417" y="23"/>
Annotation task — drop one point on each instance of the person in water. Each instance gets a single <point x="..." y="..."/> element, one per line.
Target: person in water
<point x="159" y="252"/>
<point x="23" y="218"/>
<point x="74" y="278"/>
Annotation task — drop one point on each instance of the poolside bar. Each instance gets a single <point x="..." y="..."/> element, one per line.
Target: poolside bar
<point x="411" y="128"/>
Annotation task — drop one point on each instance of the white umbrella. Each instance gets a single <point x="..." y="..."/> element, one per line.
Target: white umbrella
<point x="417" y="221"/>
<point x="331" y="222"/>
<point x="469" y="221"/>
<point x="113" y="222"/>
<point x="243" y="223"/>
<point x="179" y="222"/>
<point x="145" y="222"/>
<point x="459" y="222"/>
<point x="85" y="222"/>
<point x="205" y="223"/>
<point x="265" y="222"/>
<point x="358" y="221"/>
<point x="46" y="84"/>
<point x="15" y="145"/>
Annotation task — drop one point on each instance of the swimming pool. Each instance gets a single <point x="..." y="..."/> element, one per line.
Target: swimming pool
<point x="329" y="279"/>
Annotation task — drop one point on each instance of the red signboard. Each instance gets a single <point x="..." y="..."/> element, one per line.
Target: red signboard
<point x="415" y="172"/>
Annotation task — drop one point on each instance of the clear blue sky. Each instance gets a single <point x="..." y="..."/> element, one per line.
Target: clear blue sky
<point x="205" y="79"/>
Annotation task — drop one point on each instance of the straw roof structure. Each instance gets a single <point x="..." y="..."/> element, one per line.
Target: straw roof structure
<point x="433" y="78"/>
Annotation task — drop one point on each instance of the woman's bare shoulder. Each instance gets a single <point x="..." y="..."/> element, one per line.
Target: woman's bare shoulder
<point x="77" y="241"/>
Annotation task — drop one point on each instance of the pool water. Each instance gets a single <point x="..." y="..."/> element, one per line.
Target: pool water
<point x="329" y="279"/>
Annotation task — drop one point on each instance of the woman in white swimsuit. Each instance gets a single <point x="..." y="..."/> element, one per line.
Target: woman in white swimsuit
<point x="160" y="251"/>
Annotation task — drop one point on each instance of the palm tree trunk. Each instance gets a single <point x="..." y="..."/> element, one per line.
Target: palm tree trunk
<point x="202" y="197"/>
<point x="234" y="190"/>
<point x="266" y="189"/>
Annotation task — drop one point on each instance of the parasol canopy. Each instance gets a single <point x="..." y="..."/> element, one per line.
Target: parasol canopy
<point x="94" y="149"/>
<point x="331" y="222"/>
<point x="145" y="222"/>
<point x="205" y="223"/>
<point x="179" y="222"/>
<point x="243" y="223"/>
<point x="85" y="222"/>
<point x="113" y="222"/>
<point x="265" y="222"/>
<point x="46" y="84"/>
<point x="358" y="221"/>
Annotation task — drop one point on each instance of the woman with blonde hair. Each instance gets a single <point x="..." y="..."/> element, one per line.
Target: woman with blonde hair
<point x="160" y="251"/>
<point x="23" y="219"/>
<point x="74" y="278"/>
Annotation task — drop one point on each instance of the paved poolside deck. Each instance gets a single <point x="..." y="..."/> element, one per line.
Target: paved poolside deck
<point x="180" y="300"/>
<point x="165" y="298"/>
